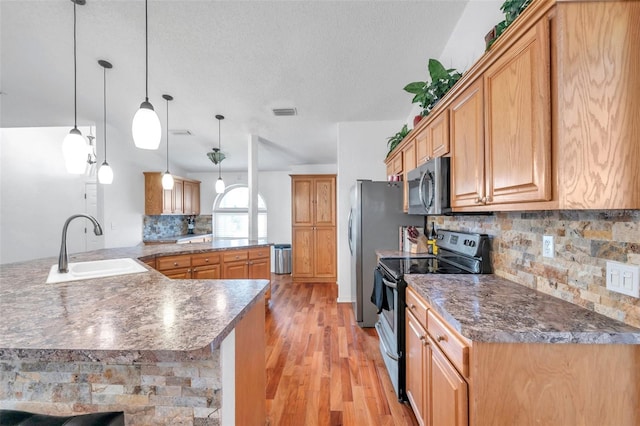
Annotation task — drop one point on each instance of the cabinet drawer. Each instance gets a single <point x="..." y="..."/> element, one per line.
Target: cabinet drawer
<point x="204" y="259"/>
<point x="453" y="346"/>
<point x="417" y="307"/>
<point x="235" y="255"/>
<point x="173" y="262"/>
<point x="259" y="253"/>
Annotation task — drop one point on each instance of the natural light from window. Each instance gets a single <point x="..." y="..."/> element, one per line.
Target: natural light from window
<point x="231" y="214"/>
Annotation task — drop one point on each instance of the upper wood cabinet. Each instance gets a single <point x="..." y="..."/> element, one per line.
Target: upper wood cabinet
<point x="545" y="119"/>
<point x="313" y="200"/>
<point x="183" y="199"/>
<point x="409" y="162"/>
<point x="500" y="129"/>
<point x="598" y="109"/>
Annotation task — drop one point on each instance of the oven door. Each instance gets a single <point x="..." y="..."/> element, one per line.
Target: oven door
<point x="390" y="328"/>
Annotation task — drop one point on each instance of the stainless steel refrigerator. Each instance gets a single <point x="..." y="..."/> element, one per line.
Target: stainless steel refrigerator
<point x="374" y="222"/>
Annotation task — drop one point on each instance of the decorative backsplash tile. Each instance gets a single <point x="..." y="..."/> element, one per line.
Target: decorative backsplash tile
<point x="584" y="242"/>
<point x="168" y="226"/>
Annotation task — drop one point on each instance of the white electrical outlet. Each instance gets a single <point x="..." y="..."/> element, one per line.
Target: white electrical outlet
<point x="623" y="278"/>
<point x="548" y="248"/>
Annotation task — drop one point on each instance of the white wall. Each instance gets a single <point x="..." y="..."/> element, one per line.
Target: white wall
<point x="38" y="195"/>
<point x="362" y="148"/>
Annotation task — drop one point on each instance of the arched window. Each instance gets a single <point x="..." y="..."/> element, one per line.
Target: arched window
<point x="231" y="214"/>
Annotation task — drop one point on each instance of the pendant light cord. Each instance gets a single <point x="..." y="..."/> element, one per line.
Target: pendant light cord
<point x="146" y="49"/>
<point x="104" y="97"/>
<point x="75" y="72"/>
<point x="167" y="135"/>
<point x="220" y="151"/>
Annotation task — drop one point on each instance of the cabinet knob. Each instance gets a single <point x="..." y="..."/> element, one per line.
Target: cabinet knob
<point x="423" y="337"/>
<point x="478" y="200"/>
<point x="175" y="263"/>
<point x="441" y="338"/>
<point x="412" y="306"/>
<point x="206" y="260"/>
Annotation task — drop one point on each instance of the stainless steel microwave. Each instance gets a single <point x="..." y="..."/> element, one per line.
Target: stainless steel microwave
<point x="429" y="190"/>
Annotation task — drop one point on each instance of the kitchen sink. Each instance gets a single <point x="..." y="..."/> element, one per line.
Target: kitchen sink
<point x="95" y="269"/>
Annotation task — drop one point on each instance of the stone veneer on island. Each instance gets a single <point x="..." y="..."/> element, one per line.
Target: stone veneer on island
<point x="163" y="351"/>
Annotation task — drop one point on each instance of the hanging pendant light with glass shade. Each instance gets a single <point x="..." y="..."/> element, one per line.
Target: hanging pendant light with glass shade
<point x="105" y="174"/>
<point x="146" y="128"/>
<point x="167" y="179"/>
<point x="220" y="187"/>
<point x="74" y="147"/>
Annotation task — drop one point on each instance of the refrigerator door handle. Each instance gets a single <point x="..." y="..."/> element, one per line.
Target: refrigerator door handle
<point x="350" y="231"/>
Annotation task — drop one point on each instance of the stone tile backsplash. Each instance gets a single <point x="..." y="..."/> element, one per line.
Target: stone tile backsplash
<point x="168" y="226"/>
<point x="584" y="242"/>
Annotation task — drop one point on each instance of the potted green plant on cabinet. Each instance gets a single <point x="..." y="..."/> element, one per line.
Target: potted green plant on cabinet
<point x="511" y="9"/>
<point x="394" y="141"/>
<point x="428" y="93"/>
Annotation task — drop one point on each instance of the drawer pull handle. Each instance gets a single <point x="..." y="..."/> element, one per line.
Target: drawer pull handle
<point x="441" y="338"/>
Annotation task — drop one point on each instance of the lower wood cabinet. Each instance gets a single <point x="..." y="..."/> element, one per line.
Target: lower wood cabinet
<point x="253" y="263"/>
<point x="452" y="381"/>
<point x="437" y="392"/>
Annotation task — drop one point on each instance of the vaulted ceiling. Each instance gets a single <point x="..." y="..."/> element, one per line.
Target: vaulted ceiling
<point x="334" y="61"/>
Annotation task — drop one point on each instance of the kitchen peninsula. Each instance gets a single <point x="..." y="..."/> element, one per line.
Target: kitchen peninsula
<point x="163" y="351"/>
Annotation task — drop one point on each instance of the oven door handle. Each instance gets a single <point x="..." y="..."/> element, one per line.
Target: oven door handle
<point x="384" y="344"/>
<point x="389" y="284"/>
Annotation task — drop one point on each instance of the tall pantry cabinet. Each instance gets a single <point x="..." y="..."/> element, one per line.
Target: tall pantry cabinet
<point x="313" y="219"/>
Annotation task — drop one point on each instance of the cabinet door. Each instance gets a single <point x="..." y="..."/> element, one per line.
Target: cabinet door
<point x="178" y="196"/>
<point x="303" y="245"/>
<point x="302" y="201"/>
<point x="167" y="201"/>
<point x="438" y="135"/>
<point x="237" y="270"/>
<point x="518" y="117"/>
<point x="260" y="269"/>
<point x="187" y="197"/>
<point x="449" y="394"/>
<point x="206" y="272"/>
<point x="467" y="147"/>
<point x="409" y="161"/>
<point x="178" y="274"/>
<point x="324" y="201"/>
<point x="325" y="252"/>
<point x="423" y="148"/>
<point x="416" y="368"/>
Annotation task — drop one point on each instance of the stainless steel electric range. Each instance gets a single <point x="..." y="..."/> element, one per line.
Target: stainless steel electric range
<point x="458" y="253"/>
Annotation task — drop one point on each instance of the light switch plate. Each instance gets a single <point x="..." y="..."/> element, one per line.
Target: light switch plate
<point x="548" y="247"/>
<point x="623" y="278"/>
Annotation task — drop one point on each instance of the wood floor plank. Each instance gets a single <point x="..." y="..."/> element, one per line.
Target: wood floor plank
<point x="322" y="368"/>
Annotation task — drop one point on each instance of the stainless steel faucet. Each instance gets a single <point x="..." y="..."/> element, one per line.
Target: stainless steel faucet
<point x="63" y="259"/>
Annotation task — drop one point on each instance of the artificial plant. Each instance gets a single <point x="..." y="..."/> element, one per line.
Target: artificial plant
<point x="428" y="93"/>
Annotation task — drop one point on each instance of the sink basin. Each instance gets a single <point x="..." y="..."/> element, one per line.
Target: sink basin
<point x="95" y="269"/>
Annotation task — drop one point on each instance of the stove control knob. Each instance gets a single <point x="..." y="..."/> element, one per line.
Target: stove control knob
<point x="472" y="243"/>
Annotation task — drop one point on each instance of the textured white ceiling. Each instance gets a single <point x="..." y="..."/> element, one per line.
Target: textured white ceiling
<point x="334" y="61"/>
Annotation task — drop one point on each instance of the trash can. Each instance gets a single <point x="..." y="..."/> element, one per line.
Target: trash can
<point x="282" y="255"/>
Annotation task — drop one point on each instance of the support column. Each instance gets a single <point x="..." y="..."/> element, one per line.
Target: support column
<point x="253" y="186"/>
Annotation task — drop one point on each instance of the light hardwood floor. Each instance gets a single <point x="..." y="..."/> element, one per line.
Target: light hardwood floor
<point x="322" y="368"/>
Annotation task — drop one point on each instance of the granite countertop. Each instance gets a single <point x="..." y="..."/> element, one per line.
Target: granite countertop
<point x="144" y="316"/>
<point x="175" y="238"/>
<point x="487" y="308"/>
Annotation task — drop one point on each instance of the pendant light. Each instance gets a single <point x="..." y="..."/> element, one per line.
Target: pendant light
<point x="146" y="128"/>
<point x="167" y="179"/>
<point x="220" y="187"/>
<point x="74" y="147"/>
<point x="105" y="174"/>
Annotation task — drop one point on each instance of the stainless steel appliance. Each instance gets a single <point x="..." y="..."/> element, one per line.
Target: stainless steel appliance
<point x="458" y="253"/>
<point x="429" y="188"/>
<point x="374" y="222"/>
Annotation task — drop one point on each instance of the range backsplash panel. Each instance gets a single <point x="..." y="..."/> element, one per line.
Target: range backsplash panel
<point x="168" y="226"/>
<point x="584" y="242"/>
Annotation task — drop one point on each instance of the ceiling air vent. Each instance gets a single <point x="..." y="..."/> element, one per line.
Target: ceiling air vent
<point x="284" y="112"/>
<point x="180" y="132"/>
